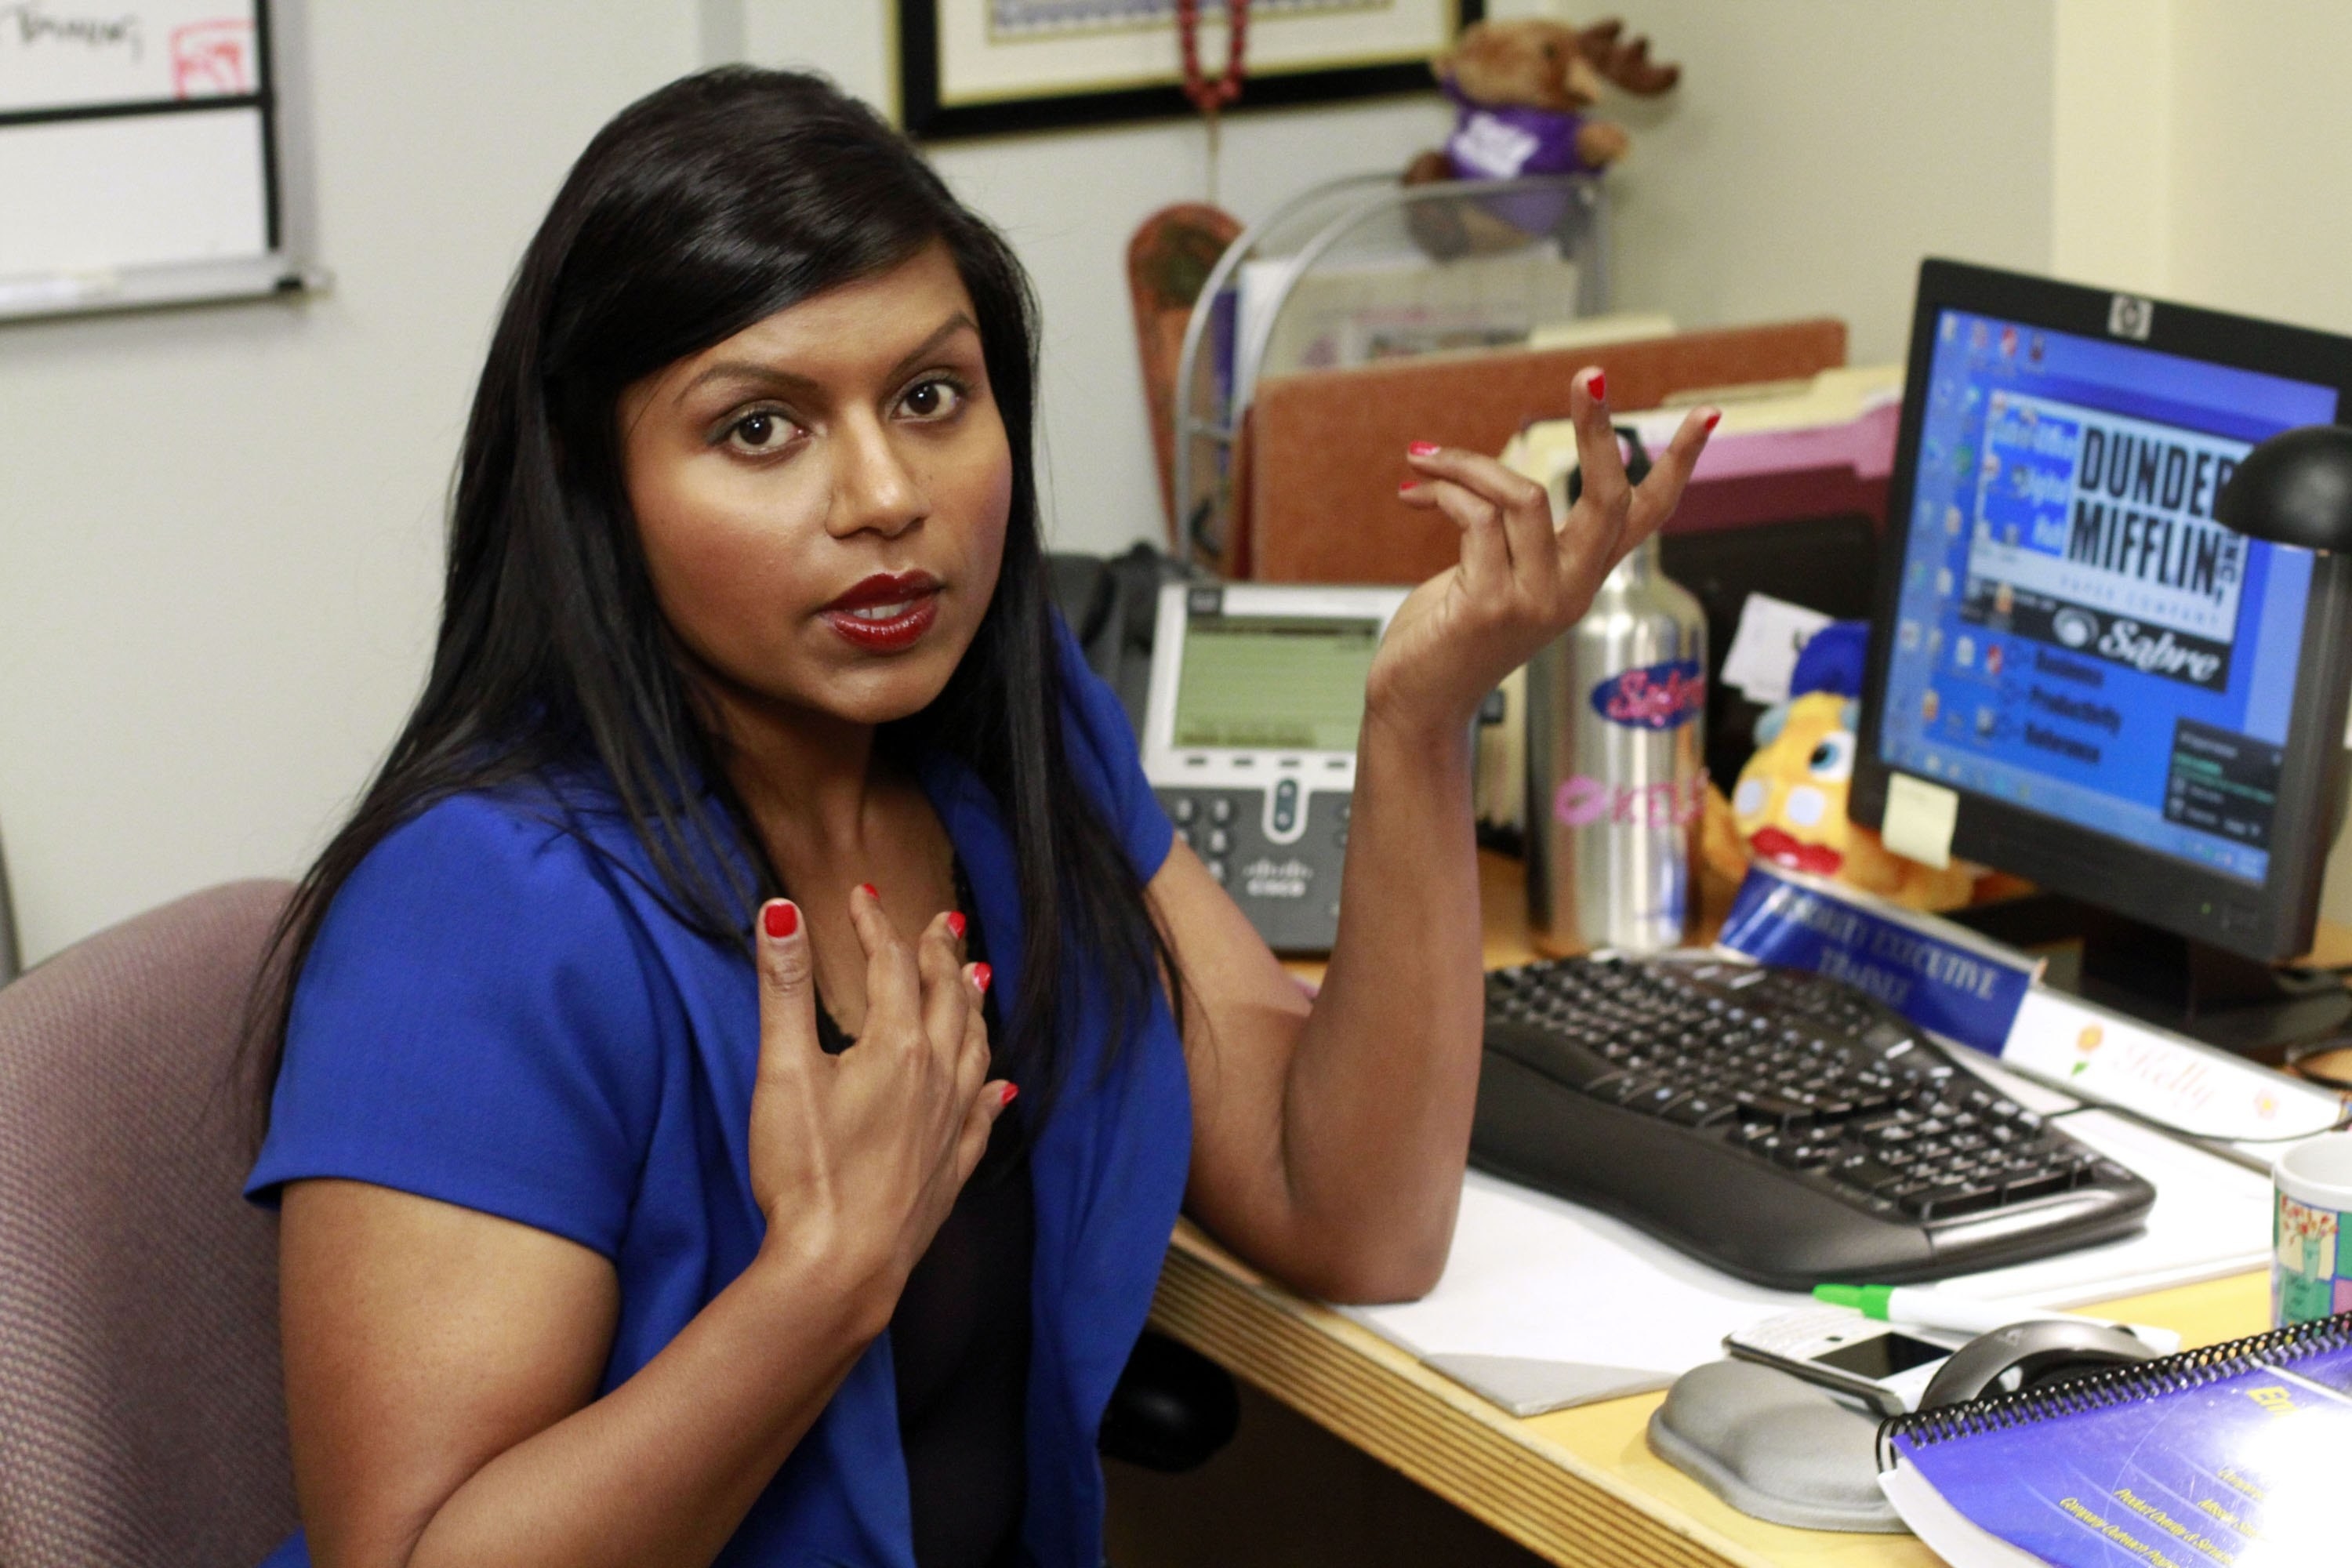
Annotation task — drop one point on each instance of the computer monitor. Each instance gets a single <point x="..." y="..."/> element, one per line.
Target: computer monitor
<point x="2133" y="705"/>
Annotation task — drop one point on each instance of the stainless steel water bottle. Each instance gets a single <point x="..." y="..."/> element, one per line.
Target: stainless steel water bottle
<point x="1616" y="783"/>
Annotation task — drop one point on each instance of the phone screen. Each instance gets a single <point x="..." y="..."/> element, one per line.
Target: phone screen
<point x="1882" y="1355"/>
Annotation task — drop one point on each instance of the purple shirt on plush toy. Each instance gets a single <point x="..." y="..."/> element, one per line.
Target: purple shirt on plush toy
<point x="1506" y="140"/>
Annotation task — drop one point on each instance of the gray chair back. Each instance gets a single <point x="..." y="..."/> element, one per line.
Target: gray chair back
<point x="142" y="1418"/>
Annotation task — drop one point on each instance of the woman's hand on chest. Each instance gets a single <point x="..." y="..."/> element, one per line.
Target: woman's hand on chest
<point x="856" y="1159"/>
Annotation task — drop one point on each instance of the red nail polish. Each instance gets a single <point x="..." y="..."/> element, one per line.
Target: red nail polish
<point x="1407" y="486"/>
<point x="869" y="890"/>
<point x="783" y="919"/>
<point x="1422" y="449"/>
<point x="1005" y="1096"/>
<point x="1714" y="418"/>
<point x="1600" y="386"/>
<point x="981" y="975"/>
<point x="955" y="924"/>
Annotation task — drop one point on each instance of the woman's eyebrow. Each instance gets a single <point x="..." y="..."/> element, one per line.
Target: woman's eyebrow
<point x="771" y="375"/>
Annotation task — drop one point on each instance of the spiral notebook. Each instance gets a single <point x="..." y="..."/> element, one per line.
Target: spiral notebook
<point x="2234" y="1456"/>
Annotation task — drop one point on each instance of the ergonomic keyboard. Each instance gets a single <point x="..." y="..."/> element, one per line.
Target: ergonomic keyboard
<point x="1778" y="1124"/>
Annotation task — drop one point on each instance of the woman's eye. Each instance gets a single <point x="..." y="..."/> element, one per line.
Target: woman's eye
<point x="934" y="399"/>
<point x="764" y="431"/>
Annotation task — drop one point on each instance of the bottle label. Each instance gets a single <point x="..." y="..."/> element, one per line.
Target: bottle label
<point x="1653" y="696"/>
<point x="1582" y="801"/>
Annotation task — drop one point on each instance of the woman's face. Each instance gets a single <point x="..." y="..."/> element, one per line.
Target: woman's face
<point x="823" y="496"/>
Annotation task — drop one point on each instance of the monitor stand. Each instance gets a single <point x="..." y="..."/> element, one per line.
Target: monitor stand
<point x="2161" y="978"/>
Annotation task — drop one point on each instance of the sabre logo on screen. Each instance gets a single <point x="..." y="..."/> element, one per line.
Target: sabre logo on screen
<point x="2129" y="316"/>
<point x="2075" y="627"/>
<point x="1653" y="696"/>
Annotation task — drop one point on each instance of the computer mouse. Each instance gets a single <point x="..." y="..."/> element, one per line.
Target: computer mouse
<point x="2042" y="1351"/>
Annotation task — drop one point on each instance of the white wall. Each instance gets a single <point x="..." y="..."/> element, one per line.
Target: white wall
<point x="220" y="530"/>
<point x="1817" y="149"/>
<point x="2259" y="214"/>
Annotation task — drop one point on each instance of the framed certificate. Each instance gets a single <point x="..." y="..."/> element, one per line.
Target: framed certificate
<point x="986" y="67"/>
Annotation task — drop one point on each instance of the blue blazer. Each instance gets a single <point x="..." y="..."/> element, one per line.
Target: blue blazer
<point x="499" y="1015"/>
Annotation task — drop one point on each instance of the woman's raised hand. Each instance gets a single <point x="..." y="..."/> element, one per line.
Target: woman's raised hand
<point x="1521" y="581"/>
<point x="857" y="1158"/>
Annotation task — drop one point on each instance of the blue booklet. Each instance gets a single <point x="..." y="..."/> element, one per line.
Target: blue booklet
<point x="2233" y="1455"/>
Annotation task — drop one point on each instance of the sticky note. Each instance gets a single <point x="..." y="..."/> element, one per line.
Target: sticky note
<point x="1919" y="819"/>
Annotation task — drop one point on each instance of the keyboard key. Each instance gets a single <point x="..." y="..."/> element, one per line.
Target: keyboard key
<point x="1656" y="1100"/>
<point x="1951" y="1200"/>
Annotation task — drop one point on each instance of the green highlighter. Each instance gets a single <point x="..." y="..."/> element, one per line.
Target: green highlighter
<point x="1958" y="1314"/>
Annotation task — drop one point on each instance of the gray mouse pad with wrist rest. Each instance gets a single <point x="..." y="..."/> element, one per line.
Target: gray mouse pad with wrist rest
<point x="1775" y="1447"/>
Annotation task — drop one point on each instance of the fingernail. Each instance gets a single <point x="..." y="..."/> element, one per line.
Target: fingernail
<point x="1405" y="485"/>
<point x="869" y="890"/>
<point x="781" y="917"/>
<point x="955" y="924"/>
<point x="981" y="975"/>
<point x="1422" y="449"/>
<point x="1600" y="386"/>
<point x="1004" y="1097"/>
<point x="1714" y="418"/>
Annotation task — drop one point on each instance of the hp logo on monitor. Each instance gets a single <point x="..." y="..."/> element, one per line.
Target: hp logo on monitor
<point x="2129" y="316"/>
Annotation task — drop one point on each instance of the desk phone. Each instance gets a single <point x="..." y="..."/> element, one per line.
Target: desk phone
<point x="1249" y="739"/>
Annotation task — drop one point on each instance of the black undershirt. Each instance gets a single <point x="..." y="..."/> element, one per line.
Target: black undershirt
<point x="960" y="1342"/>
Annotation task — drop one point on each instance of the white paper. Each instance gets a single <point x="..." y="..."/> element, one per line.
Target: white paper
<point x="1537" y="1277"/>
<point x="1763" y="653"/>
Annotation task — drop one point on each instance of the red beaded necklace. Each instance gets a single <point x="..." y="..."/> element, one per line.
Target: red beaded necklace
<point x="1207" y="96"/>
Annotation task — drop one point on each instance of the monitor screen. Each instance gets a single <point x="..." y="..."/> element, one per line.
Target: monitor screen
<point x="2075" y="636"/>
<point x="1274" y="682"/>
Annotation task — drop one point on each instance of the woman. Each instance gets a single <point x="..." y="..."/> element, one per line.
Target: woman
<point x="601" y="1240"/>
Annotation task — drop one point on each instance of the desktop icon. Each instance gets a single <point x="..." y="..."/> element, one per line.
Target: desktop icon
<point x="1943" y="581"/>
<point x="1978" y="336"/>
<point x="2004" y="598"/>
<point x="1928" y="704"/>
<point x="1964" y="653"/>
<point x="1985" y="720"/>
<point x="1951" y="325"/>
<point x="2035" y="347"/>
<point x="1954" y="519"/>
<point x="1935" y="642"/>
<point x="2075" y="627"/>
<point x="2009" y="342"/>
<point x="1993" y="657"/>
<point x="1906" y="636"/>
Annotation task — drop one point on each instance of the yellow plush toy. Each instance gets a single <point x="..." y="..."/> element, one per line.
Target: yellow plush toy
<point x="1789" y="808"/>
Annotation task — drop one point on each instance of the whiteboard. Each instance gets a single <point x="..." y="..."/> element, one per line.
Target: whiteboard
<point x="138" y="154"/>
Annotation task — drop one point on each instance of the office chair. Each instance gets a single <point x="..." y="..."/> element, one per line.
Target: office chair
<point x="10" y="954"/>
<point x="142" y="1422"/>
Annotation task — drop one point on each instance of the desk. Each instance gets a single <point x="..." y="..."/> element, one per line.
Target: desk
<point x="1577" y="1486"/>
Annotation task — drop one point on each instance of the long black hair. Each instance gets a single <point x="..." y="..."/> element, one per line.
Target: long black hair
<point x="703" y="208"/>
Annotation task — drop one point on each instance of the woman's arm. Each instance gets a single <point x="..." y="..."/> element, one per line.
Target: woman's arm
<point x="441" y="1365"/>
<point x="1329" y="1142"/>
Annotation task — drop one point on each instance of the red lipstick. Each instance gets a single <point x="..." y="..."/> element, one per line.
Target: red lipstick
<point x="886" y="613"/>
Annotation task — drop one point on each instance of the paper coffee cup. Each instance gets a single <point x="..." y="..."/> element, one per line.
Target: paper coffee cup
<point x="2311" y="1230"/>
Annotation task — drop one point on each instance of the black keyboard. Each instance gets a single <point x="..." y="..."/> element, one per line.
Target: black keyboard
<point x="1778" y="1124"/>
